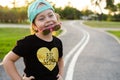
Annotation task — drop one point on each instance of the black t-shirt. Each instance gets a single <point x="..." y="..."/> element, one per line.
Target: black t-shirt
<point x="40" y="57"/>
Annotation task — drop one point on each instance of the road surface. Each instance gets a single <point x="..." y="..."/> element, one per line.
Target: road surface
<point x="89" y="54"/>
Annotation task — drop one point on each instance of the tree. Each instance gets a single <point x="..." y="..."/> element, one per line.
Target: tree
<point x="116" y="16"/>
<point x="70" y="13"/>
<point x="110" y="6"/>
<point x="97" y="3"/>
<point x="14" y="2"/>
<point x="118" y="8"/>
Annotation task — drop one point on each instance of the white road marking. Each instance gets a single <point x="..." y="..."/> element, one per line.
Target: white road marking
<point x="73" y="50"/>
<point x="84" y="41"/>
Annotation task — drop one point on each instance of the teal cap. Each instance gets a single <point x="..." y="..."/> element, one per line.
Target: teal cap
<point x="34" y="8"/>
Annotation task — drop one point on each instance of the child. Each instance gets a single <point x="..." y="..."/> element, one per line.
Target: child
<point x="42" y="52"/>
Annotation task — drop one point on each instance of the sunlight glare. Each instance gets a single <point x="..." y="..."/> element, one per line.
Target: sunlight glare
<point x="79" y="4"/>
<point x="9" y="4"/>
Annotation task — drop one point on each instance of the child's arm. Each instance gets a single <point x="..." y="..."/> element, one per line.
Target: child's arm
<point x="61" y="67"/>
<point x="9" y="66"/>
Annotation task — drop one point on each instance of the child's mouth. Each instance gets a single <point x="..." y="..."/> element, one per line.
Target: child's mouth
<point x="50" y="28"/>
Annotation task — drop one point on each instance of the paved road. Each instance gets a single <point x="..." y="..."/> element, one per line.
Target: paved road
<point x="89" y="54"/>
<point x="98" y="60"/>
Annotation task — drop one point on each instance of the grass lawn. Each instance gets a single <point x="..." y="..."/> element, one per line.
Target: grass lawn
<point x="104" y="24"/>
<point x="8" y="38"/>
<point x="116" y="33"/>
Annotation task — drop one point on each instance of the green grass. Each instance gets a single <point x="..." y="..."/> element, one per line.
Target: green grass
<point x="116" y="33"/>
<point x="102" y="24"/>
<point x="8" y="38"/>
<point x="105" y="24"/>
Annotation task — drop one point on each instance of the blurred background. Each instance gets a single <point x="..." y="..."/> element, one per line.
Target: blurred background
<point x="15" y="11"/>
<point x="100" y="59"/>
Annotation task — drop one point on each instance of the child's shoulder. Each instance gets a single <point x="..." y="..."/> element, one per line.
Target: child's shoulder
<point x="57" y="39"/>
<point x="28" y="38"/>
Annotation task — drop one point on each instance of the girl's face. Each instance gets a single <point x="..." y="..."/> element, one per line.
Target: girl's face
<point x="45" y="19"/>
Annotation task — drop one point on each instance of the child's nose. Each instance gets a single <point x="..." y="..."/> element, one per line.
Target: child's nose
<point x="48" y="19"/>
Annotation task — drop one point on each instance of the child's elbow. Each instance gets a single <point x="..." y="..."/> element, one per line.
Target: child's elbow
<point x="5" y="61"/>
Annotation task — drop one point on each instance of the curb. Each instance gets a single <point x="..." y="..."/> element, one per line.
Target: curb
<point x="105" y="31"/>
<point x="116" y="38"/>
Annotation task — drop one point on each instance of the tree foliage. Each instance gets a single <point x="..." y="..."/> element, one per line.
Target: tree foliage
<point x="14" y="15"/>
<point x="19" y="15"/>
<point x="114" y="10"/>
<point x="70" y="13"/>
<point x="110" y="5"/>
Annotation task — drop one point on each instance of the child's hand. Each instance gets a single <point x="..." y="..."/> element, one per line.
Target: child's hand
<point x="59" y="77"/>
<point x="27" y="78"/>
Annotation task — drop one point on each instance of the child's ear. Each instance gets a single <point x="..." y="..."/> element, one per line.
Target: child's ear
<point x="34" y="26"/>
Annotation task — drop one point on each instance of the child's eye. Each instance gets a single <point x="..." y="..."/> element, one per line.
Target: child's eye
<point x="51" y="15"/>
<point x="41" y="19"/>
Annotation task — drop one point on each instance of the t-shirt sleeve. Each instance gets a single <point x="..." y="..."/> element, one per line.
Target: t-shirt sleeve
<point x="20" y="48"/>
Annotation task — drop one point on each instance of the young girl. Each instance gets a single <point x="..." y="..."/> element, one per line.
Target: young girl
<point x="42" y="52"/>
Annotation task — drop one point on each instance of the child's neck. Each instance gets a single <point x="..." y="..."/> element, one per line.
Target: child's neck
<point x="47" y="38"/>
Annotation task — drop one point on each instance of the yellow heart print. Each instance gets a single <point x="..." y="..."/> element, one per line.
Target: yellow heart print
<point x="48" y="58"/>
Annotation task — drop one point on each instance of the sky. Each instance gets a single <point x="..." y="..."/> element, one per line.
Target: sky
<point x="82" y="4"/>
<point x="79" y="4"/>
<point x="75" y="3"/>
<point x="60" y="3"/>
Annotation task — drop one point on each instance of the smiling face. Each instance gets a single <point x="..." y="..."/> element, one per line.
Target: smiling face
<point x="45" y="19"/>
